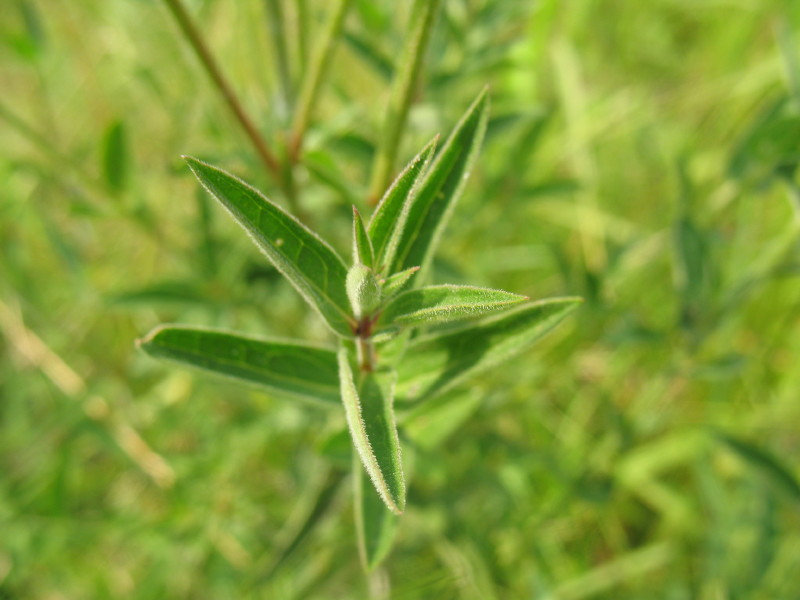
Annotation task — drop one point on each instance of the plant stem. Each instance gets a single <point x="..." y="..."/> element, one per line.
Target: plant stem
<point x="277" y="30"/>
<point x="410" y="63"/>
<point x="192" y="34"/>
<point x="312" y="78"/>
<point x="366" y="354"/>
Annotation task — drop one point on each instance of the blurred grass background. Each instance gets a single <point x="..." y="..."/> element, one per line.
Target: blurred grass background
<point x="640" y="154"/>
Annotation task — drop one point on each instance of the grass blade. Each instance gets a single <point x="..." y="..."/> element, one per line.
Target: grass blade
<point x="115" y="156"/>
<point x="310" y="264"/>
<point x="276" y="23"/>
<point x="442" y="303"/>
<point x="370" y="417"/>
<point x="435" y="363"/>
<point x="375" y="526"/>
<point x="389" y="218"/>
<point x="773" y="469"/>
<point x="295" y="370"/>
<point x="438" y="193"/>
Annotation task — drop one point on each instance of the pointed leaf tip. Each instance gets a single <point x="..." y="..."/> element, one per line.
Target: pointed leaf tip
<point x="362" y="245"/>
<point x="389" y="219"/>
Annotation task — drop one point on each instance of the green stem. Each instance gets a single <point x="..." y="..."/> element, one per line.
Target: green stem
<point x="312" y="79"/>
<point x="192" y="34"/>
<point x="423" y="14"/>
<point x="277" y="30"/>
<point x="366" y="354"/>
<point x="301" y="14"/>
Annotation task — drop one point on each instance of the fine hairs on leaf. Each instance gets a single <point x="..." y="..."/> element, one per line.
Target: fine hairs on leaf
<point x="373" y="307"/>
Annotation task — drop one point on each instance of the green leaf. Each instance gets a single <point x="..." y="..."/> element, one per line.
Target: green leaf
<point x="389" y="218"/>
<point x="369" y="412"/>
<point x="435" y="363"/>
<point x="115" y="156"/>
<point x="761" y="460"/>
<point x="442" y="303"/>
<point x="364" y="48"/>
<point x="395" y="283"/>
<point x="310" y="264"/>
<point x="295" y="370"/>
<point x="362" y="245"/>
<point x="375" y="526"/>
<point x="438" y="193"/>
<point x="431" y="423"/>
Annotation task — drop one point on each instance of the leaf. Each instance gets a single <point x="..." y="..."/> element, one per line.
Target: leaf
<point x="435" y="363"/>
<point x="370" y="417"/>
<point x="431" y="423"/>
<point x="389" y="218"/>
<point x="309" y="263"/>
<point x="775" y="471"/>
<point x="397" y="282"/>
<point x="375" y="526"/>
<point x="370" y="54"/>
<point x="164" y="292"/>
<point x="438" y="193"/>
<point x="295" y="370"/>
<point x="442" y="303"/>
<point x="362" y="245"/>
<point x="115" y="156"/>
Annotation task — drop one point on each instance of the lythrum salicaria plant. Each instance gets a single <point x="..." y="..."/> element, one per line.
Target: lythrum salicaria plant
<point x="375" y="308"/>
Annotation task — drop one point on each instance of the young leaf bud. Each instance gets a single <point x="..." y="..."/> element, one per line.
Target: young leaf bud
<point x="363" y="289"/>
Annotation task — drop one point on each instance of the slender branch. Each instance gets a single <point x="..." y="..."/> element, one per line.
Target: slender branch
<point x="192" y="34"/>
<point x="312" y="79"/>
<point x="423" y="14"/>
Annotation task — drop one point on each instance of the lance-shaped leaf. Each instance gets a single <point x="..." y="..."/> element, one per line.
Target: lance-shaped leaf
<point x="295" y="370"/>
<point x="369" y="412"/>
<point x="435" y="363"/>
<point x="395" y="283"/>
<point x="375" y="526"/>
<point x="431" y="206"/>
<point x="362" y="245"/>
<point x="310" y="264"/>
<point x="389" y="218"/>
<point x="442" y="303"/>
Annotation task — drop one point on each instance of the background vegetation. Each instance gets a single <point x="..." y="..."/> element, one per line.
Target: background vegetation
<point x="640" y="154"/>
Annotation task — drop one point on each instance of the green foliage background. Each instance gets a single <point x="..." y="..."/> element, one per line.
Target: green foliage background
<point x="640" y="154"/>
